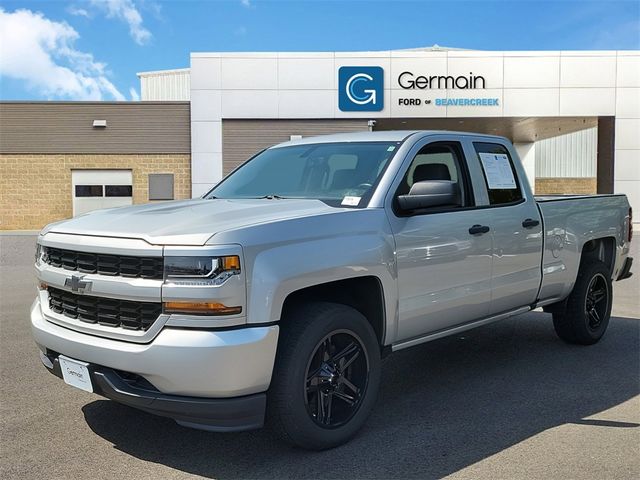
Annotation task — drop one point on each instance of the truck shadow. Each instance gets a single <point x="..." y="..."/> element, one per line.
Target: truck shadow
<point x="443" y="406"/>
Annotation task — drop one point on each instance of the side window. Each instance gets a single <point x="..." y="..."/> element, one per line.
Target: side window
<point x="500" y="175"/>
<point x="439" y="161"/>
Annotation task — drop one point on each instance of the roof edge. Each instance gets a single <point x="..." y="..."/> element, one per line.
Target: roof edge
<point x="174" y="71"/>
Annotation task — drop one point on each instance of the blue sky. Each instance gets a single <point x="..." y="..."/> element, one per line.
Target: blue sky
<point x="92" y="49"/>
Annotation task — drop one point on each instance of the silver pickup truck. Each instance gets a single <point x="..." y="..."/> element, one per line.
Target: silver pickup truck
<point x="278" y="292"/>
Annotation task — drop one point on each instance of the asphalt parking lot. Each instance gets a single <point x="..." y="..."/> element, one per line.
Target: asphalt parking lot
<point x="504" y="401"/>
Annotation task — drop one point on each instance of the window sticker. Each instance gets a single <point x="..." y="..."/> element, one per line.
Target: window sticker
<point x="391" y="148"/>
<point x="351" y="201"/>
<point x="498" y="171"/>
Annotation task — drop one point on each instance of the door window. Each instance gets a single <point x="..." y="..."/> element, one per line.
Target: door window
<point x="88" y="190"/>
<point x="439" y="161"/>
<point x="500" y="175"/>
<point x="118" y="191"/>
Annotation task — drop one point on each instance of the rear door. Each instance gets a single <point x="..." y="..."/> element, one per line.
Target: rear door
<point x="444" y="269"/>
<point x="516" y="225"/>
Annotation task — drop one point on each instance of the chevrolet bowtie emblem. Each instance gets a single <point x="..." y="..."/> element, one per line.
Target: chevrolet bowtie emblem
<point x="77" y="284"/>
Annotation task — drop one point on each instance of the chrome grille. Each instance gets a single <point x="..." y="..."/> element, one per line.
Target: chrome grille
<point x="114" y="265"/>
<point x="104" y="311"/>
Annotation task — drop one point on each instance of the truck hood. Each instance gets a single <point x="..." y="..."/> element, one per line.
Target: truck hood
<point x="188" y="222"/>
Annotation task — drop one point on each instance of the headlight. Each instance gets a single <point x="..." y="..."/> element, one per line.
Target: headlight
<point x="201" y="270"/>
<point x="39" y="254"/>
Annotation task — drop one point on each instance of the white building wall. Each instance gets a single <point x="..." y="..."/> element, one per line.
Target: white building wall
<point x="206" y="122"/>
<point x="527" y="84"/>
<point x="627" y="141"/>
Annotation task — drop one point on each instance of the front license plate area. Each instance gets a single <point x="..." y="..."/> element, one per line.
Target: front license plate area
<point x="75" y="373"/>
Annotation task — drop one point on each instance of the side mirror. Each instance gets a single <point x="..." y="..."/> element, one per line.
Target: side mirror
<point x="428" y="194"/>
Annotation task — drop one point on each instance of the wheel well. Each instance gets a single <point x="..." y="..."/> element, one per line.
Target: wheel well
<point x="603" y="249"/>
<point x="364" y="294"/>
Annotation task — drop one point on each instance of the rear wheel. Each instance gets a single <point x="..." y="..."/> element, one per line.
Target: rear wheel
<point x="326" y="378"/>
<point x="588" y="307"/>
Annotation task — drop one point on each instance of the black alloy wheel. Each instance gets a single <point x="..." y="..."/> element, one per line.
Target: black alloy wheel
<point x="337" y="378"/>
<point x="595" y="305"/>
<point x="327" y="374"/>
<point x="585" y="316"/>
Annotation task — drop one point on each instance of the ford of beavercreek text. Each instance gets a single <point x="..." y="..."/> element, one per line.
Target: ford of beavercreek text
<point x="274" y="297"/>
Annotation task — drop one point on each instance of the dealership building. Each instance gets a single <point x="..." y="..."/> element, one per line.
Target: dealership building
<point x="574" y="117"/>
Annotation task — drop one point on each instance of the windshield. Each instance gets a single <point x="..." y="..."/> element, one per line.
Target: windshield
<point x="336" y="173"/>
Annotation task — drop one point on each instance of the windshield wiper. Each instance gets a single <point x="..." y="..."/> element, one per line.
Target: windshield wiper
<point x="272" y="196"/>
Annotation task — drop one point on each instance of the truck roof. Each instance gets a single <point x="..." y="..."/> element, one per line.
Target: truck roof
<point x="378" y="136"/>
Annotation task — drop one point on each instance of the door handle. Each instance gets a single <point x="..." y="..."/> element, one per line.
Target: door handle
<point x="530" y="223"/>
<point x="478" y="229"/>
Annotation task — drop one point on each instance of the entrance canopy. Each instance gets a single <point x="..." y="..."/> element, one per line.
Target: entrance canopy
<point x="517" y="129"/>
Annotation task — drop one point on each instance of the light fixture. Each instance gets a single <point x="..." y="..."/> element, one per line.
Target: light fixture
<point x="201" y="308"/>
<point x="99" y="124"/>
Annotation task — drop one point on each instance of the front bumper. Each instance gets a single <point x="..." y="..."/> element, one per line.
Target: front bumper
<point x="215" y="414"/>
<point x="178" y="361"/>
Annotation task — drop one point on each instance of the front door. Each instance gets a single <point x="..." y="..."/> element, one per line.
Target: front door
<point x="444" y="269"/>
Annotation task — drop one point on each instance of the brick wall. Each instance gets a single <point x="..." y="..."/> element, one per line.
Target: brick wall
<point x="36" y="189"/>
<point x="564" y="185"/>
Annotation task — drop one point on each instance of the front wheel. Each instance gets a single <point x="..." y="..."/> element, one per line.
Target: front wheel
<point x="326" y="378"/>
<point x="588" y="307"/>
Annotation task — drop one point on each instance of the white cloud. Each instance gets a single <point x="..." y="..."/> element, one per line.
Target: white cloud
<point x="78" y="12"/>
<point x="126" y="11"/>
<point x="246" y="3"/>
<point x="41" y="53"/>
<point x="135" y="96"/>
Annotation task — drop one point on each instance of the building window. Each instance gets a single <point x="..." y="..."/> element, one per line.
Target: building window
<point x="88" y="190"/>
<point x="161" y="186"/>
<point x="118" y="191"/>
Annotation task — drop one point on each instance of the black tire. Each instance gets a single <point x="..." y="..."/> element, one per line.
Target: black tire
<point x="311" y="340"/>
<point x="588" y="307"/>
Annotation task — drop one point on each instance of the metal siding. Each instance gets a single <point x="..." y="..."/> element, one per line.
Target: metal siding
<point x="67" y="127"/>
<point x="241" y="139"/>
<point x="569" y="156"/>
<point x="165" y="86"/>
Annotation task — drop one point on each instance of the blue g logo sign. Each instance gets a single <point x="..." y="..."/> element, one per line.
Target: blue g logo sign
<point x="360" y="89"/>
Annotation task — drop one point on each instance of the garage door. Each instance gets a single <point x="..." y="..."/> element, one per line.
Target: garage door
<point x="94" y="189"/>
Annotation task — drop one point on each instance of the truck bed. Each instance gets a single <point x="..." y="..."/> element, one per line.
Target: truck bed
<point x="569" y="222"/>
